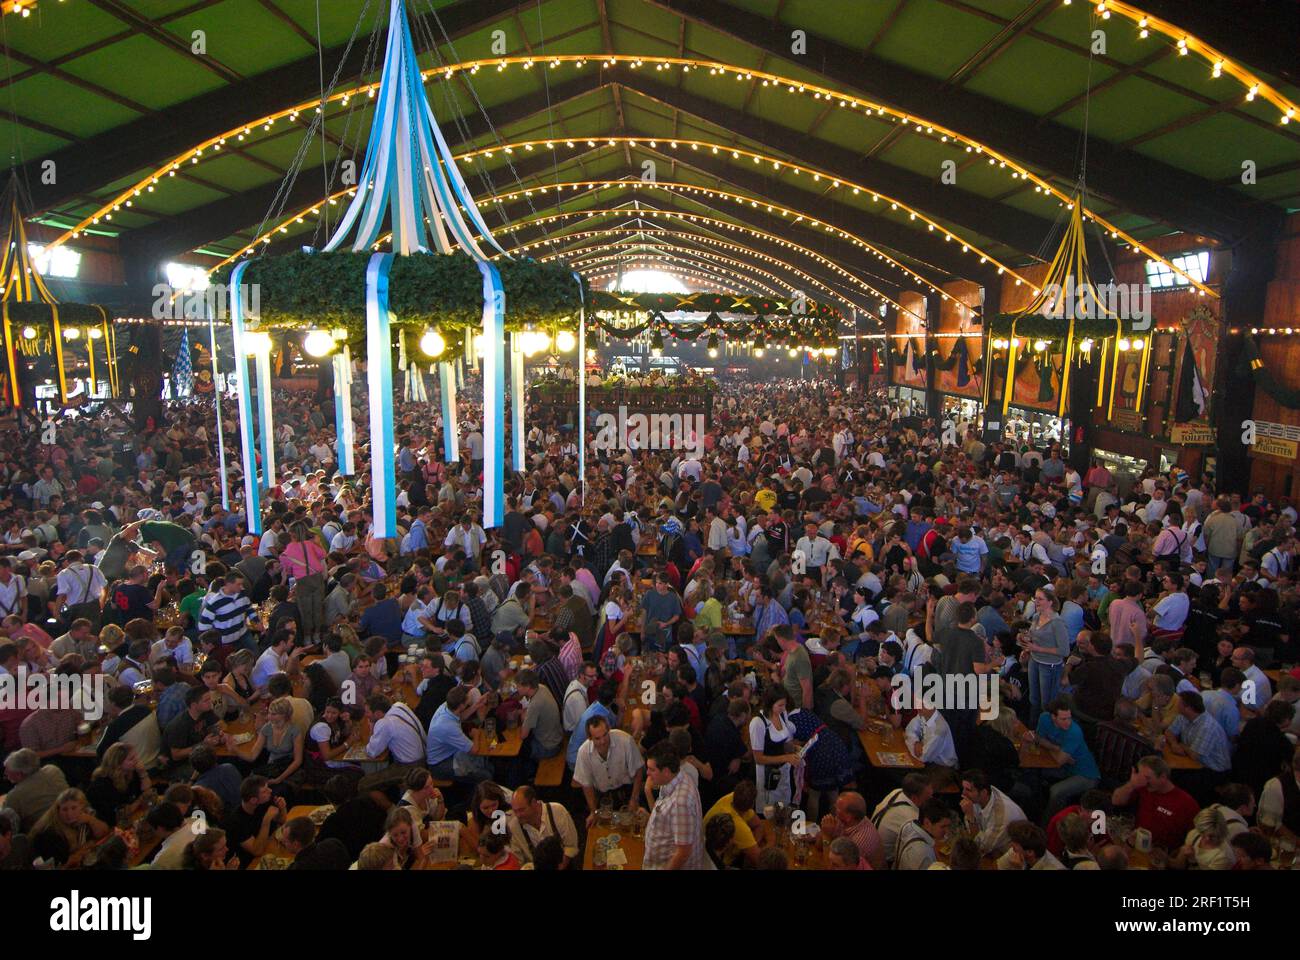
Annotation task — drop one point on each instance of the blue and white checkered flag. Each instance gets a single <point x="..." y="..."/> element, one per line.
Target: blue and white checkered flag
<point x="183" y="370"/>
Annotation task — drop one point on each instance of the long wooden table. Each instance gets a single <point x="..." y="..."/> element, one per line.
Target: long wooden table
<point x="632" y="847"/>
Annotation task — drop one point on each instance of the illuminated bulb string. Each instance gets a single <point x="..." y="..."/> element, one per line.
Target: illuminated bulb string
<point x="922" y="126"/>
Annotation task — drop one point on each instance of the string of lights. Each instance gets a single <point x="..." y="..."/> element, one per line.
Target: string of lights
<point x="570" y="256"/>
<point x="757" y="157"/>
<point x="314" y="210"/>
<point x="691" y="188"/>
<point x="657" y="261"/>
<point x="920" y="126"/>
<point x="772" y="289"/>
<point x="1187" y="44"/>
<point x="650" y="212"/>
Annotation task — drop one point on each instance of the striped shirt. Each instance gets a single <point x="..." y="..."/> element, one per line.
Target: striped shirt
<point x="227" y="614"/>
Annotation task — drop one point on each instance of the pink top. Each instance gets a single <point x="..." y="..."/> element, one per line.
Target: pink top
<point x="302" y="558"/>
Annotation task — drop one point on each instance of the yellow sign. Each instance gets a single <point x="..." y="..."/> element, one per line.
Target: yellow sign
<point x="1273" y="447"/>
<point x="1127" y="419"/>
<point x="1189" y="434"/>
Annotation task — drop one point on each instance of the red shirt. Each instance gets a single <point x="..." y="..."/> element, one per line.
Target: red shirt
<point x="1054" y="843"/>
<point x="1167" y="815"/>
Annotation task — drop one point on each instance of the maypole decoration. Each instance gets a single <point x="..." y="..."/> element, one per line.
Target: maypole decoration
<point x="410" y="174"/>
<point x="1068" y="308"/>
<point x="26" y="302"/>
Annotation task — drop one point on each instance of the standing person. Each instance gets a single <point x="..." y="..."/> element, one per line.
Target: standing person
<point x="674" y="835"/>
<point x="771" y="734"/>
<point x="963" y="660"/>
<point x="663" y="609"/>
<point x="303" y="563"/>
<point x="1048" y="646"/>
<point x="80" y="592"/>
<point x="1223" y="535"/>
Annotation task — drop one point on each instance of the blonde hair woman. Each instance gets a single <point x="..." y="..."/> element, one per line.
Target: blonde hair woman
<point x="240" y="667"/>
<point x="399" y="834"/>
<point x="66" y="830"/>
<point x="282" y="741"/>
<point x="1207" y="846"/>
<point x="117" y="782"/>
<point x="376" y="856"/>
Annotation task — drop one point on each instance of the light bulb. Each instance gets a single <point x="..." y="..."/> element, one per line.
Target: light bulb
<point x="1123" y="343"/>
<point x="71" y="333"/>
<point x="1137" y="343"/>
<point x="432" y="344"/>
<point x="29" y="333"/>
<point x="565" y="341"/>
<point x="95" y="333"/>
<point x="713" y="353"/>
<point x="759" y="351"/>
<point x="1040" y="345"/>
<point x="318" y="343"/>
<point x="257" y="341"/>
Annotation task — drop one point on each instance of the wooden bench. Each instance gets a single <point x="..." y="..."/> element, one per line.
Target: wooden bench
<point x="550" y="772"/>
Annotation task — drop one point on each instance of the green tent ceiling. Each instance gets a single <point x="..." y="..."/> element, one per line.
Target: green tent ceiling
<point x="110" y="90"/>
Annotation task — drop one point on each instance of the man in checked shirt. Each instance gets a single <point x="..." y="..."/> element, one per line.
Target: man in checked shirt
<point x="674" y="835"/>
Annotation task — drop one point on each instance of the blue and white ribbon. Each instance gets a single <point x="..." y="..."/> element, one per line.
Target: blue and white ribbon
<point x="582" y="390"/>
<point x="450" y="427"/>
<point x="379" y="363"/>
<point x="344" y="429"/>
<point x="248" y="448"/>
<point x="494" y="395"/>
<point x="516" y="404"/>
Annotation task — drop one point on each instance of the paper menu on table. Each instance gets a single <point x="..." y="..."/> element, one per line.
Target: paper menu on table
<point x="894" y="759"/>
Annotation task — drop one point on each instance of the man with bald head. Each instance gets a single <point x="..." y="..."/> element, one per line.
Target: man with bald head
<point x="851" y="822"/>
<point x="531" y="820"/>
<point x="1243" y="658"/>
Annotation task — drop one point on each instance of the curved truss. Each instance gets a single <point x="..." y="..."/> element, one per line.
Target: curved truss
<point x="572" y="255"/>
<point x="758" y="158"/>
<point x="588" y="256"/>
<point x="314" y="209"/>
<point x="922" y="126"/>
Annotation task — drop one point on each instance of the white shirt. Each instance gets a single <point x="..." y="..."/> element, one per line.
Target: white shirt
<point x="524" y="839"/>
<point x="915" y="847"/>
<point x="993" y="819"/>
<point x="935" y="738"/>
<point x="1271" y="802"/>
<point x="603" y="774"/>
<point x="816" y="551"/>
<point x="890" y="816"/>
<point x="471" y="540"/>
<point x="183" y="652"/>
<point x="575" y="704"/>
<point x="79" y="583"/>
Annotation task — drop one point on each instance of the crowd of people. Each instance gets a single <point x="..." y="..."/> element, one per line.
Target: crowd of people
<point x="707" y="643"/>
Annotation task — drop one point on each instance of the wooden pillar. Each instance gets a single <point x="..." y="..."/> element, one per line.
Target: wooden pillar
<point x="1245" y="292"/>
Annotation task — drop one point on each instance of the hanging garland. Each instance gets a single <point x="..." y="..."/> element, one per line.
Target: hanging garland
<point x="711" y="303"/>
<point x="1035" y="326"/>
<point x="1253" y="365"/>
<point x="305" y="290"/>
